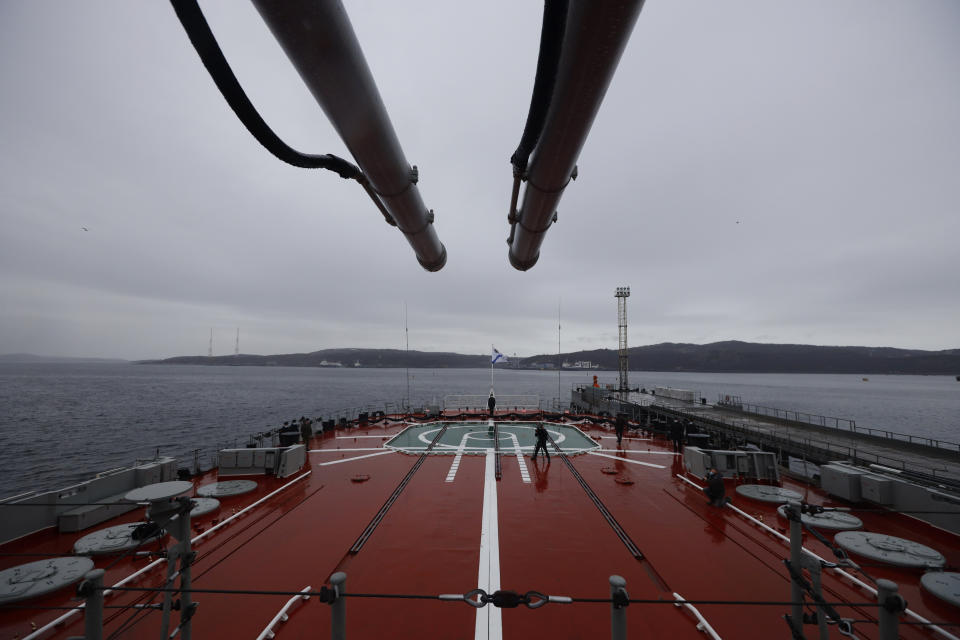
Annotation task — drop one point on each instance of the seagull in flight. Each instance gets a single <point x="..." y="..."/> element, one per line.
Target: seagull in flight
<point x="85" y="229"/>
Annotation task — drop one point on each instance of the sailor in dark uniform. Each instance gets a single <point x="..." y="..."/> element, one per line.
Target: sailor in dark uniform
<point x="491" y="402"/>
<point x="541" y="435"/>
<point x="715" y="489"/>
<point x="305" y="432"/>
<point x="676" y="434"/>
<point x="619" y="426"/>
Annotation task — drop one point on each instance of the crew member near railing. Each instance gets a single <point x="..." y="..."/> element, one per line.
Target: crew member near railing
<point x="676" y="434"/>
<point x="491" y="402"/>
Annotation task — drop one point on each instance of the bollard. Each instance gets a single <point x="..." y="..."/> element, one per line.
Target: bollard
<point x="892" y="605"/>
<point x="618" y="614"/>
<point x="338" y="618"/>
<point x="92" y="589"/>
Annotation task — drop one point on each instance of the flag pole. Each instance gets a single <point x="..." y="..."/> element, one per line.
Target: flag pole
<point x="491" y="367"/>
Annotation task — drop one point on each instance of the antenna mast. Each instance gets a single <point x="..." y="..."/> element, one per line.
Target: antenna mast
<point x="406" y="331"/>
<point x="559" y="362"/>
<point x="236" y="348"/>
<point x="621" y="295"/>
<point x="210" y="348"/>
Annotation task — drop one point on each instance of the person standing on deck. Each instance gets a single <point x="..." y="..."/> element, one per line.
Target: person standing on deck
<point x="491" y="403"/>
<point x="619" y="426"/>
<point x="541" y="435"/>
<point x="305" y="432"/>
<point x="676" y="434"/>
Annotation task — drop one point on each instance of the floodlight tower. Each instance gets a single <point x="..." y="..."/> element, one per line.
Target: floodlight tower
<point x="621" y="295"/>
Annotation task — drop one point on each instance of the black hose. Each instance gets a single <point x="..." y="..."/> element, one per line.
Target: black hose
<point x="551" y="38"/>
<point x="212" y="57"/>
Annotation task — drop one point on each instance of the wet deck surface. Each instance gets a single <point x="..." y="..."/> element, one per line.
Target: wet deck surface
<point x="443" y="536"/>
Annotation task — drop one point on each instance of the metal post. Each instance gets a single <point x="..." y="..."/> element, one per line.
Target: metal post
<point x="618" y="615"/>
<point x="892" y="605"/>
<point x="796" y="556"/>
<point x="338" y="619"/>
<point x="92" y="590"/>
<point x="186" y="559"/>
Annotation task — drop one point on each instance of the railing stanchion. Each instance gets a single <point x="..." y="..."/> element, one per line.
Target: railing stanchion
<point x="618" y="614"/>
<point x="892" y="605"/>
<point x="338" y="619"/>
<point x="92" y="589"/>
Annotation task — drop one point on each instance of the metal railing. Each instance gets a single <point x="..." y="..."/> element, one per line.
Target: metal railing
<point x="812" y="449"/>
<point x="734" y="402"/>
<point x="479" y="402"/>
<point x="829" y="422"/>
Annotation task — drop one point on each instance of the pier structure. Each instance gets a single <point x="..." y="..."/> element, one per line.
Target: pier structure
<point x="935" y="463"/>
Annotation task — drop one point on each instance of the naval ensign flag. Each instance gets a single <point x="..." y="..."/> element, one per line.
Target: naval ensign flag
<point x="495" y="357"/>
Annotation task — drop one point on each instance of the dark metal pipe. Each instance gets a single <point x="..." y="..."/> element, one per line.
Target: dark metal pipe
<point x="319" y="39"/>
<point x="594" y="38"/>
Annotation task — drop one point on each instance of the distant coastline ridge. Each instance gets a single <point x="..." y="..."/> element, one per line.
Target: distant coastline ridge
<point x="718" y="357"/>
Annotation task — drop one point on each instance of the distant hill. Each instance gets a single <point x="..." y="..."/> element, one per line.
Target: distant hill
<point x="345" y="357"/>
<point x="748" y="357"/>
<point x="30" y="358"/>
<point x="731" y="356"/>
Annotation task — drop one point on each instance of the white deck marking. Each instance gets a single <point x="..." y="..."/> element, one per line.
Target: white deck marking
<point x="456" y="459"/>
<point x="624" y="437"/>
<point x="369" y="455"/>
<point x="489" y="622"/>
<point x="646" y="464"/>
<point x="524" y="472"/>
<point x="646" y="453"/>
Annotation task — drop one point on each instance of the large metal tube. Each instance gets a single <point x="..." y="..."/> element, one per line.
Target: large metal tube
<point x="319" y="39"/>
<point x="594" y="39"/>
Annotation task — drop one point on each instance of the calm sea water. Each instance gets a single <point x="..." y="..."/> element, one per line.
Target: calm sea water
<point x="60" y="423"/>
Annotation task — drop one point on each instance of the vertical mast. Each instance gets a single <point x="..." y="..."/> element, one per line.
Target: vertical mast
<point x="406" y="331"/>
<point x="559" y="363"/>
<point x="236" y="347"/>
<point x="621" y="295"/>
<point x="210" y="348"/>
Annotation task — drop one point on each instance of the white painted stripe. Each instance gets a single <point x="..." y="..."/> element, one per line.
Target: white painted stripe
<point x="624" y="437"/>
<point x="649" y="453"/>
<point x="369" y="455"/>
<point x="489" y="622"/>
<point x="646" y="464"/>
<point x="524" y="472"/>
<point x="455" y="465"/>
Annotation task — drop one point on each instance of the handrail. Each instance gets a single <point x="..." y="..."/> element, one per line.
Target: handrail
<point x="828" y="450"/>
<point x="790" y="415"/>
<point x="857" y="581"/>
<point x="267" y="633"/>
<point x="158" y="561"/>
<point x="702" y="623"/>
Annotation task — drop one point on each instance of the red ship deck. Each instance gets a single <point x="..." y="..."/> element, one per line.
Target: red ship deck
<point x="455" y="527"/>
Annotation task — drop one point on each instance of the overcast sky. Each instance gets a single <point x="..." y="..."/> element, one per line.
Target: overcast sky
<point x="829" y="130"/>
